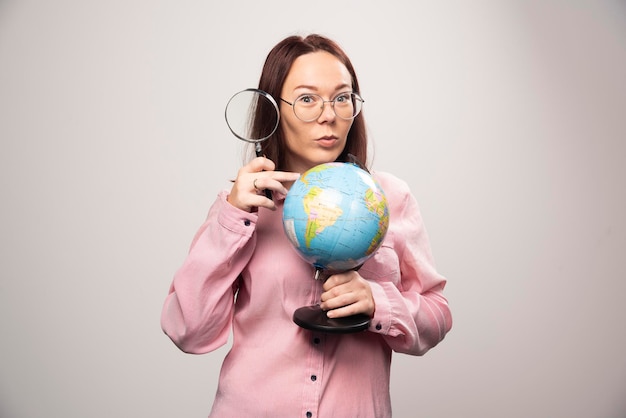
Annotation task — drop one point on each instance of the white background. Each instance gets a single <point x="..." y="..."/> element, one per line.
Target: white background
<point x="507" y="118"/>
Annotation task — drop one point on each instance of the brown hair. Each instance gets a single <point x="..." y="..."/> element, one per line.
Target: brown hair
<point x="275" y="70"/>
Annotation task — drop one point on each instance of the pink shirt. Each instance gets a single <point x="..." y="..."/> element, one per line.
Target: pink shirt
<point x="242" y="273"/>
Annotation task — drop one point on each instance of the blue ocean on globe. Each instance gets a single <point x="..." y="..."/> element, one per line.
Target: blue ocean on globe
<point x="336" y="216"/>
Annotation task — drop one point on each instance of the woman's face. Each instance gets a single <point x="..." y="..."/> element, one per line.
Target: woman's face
<point x="323" y="139"/>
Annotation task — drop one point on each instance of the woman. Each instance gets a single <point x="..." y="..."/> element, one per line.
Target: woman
<point x="242" y="273"/>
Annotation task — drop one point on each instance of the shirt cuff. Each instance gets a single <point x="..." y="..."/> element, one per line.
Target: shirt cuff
<point x="235" y="219"/>
<point x="381" y="322"/>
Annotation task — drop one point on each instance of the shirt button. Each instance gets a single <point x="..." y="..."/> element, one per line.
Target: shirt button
<point x="316" y="340"/>
<point x="379" y="327"/>
<point x="309" y="414"/>
<point x="246" y="222"/>
<point x="313" y="378"/>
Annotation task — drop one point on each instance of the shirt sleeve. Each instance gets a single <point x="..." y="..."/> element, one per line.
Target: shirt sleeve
<point x="411" y="313"/>
<point x="198" y="310"/>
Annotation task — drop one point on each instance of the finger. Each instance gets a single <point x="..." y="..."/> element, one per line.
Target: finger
<point x="342" y="312"/>
<point x="348" y="310"/>
<point x="334" y="299"/>
<point x="274" y="180"/>
<point x="349" y="304"/>
<point x="285" y="176"/>
<point x="259" y="164"/>
<point x="262" y="201"/>
<point x="256" y="165"/>
<point x="339" y="279"/>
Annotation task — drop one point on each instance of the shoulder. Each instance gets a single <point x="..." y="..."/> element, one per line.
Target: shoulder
<point x="398" y="193"/>
<point x="392" y="185"/>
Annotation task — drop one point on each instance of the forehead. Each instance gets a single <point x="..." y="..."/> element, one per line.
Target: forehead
<point x="318" y="70"/>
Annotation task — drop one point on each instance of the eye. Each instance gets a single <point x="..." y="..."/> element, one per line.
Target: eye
<point x="308" y="99"/>
<point x="343" y="98"/>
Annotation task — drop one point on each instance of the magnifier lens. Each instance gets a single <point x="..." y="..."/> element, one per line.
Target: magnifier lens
<point x="252" y="115"/>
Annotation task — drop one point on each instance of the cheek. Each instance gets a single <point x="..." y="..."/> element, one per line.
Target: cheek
<point x="346" y="129"/>
<point x="292" y="130"/>
<point x="290" y="135"/>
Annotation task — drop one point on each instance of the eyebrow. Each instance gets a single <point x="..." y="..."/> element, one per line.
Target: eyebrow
<point x="306" y="86"/>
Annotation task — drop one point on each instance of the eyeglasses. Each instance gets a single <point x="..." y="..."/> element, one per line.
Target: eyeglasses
<point x="309" y="107"/>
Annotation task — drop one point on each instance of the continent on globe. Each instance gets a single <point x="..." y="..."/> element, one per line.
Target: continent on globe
<point x="319" y="214"/>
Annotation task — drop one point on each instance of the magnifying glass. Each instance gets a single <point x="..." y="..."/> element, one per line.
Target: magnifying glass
<point x="252" y="115"/>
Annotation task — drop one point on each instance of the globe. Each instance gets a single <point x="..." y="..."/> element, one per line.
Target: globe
<point x="336" y="216"/>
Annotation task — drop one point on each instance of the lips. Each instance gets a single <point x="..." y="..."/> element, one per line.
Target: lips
<point x="327" y="141"/>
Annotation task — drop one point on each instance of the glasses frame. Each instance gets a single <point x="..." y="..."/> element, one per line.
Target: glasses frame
<point x="332" y="102"/>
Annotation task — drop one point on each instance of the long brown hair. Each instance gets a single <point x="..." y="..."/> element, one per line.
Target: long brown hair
<point x="275" y="70"/>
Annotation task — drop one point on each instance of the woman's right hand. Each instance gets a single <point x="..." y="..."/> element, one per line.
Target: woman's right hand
<point x="252" y="179"/>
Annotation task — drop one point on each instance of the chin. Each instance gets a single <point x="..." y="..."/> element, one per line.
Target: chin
<point x="315" y="157"/>
<point x="326" y="157"/>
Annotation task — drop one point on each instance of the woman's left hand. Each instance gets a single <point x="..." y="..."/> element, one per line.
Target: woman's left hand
<point x="347" y="294"/>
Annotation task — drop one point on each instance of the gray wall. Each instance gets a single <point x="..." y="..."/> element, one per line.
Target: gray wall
<point x="507" y="118"/>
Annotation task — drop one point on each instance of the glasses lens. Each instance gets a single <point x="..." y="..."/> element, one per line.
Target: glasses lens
<point x="347" y="105"/>
<point x="309" y="107"/>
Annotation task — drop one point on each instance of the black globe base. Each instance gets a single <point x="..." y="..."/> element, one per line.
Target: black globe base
<point x="315" y="319"/>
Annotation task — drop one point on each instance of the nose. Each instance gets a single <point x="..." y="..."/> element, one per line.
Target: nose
<point x="328" y="112"/>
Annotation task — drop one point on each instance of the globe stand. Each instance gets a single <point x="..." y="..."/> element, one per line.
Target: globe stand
<point x="315" y="319"/>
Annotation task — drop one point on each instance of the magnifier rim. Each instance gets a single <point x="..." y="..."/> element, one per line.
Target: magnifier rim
<point x="268" y="97"/>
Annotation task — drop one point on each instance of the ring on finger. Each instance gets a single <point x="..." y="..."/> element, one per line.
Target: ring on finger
<point x="254" y="184"/>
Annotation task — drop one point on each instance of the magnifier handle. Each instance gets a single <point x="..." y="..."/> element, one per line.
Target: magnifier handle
<point x="268" y="192"/>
